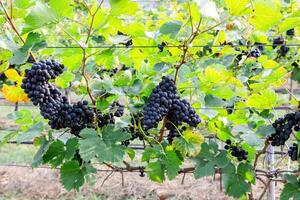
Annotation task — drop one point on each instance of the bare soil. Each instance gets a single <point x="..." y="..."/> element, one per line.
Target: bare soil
<point x="25" y="183"/>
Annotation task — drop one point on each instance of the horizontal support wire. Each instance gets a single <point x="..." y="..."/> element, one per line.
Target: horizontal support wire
<point x="137" y="146"/>
<point x="167" y="46"/>
<point x="135" y="169"/>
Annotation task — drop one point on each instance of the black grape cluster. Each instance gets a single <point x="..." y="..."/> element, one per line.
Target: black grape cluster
<point x="115" y="110"/>
<point x="236" y="151"/>
<point x="163" y="102"/>
<point x="284" y="127"/>
<point x="293" y="152"/>
<point x="110" y="72"/>
<point x="255" y="53"/>
<point x="173" y="132"/>
<point x="181" y="111"/>
<point x="290" y="32"/>
<point x="53" y="105"/>
<point x="279" y="41"/>
<point x="160" y="102"/>
<point x="161" y="46"/>
<point x="119" y="109"/>
<point x="205" y="51"/>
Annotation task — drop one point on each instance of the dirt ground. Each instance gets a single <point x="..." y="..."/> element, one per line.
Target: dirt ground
<point x="26" y="183"/>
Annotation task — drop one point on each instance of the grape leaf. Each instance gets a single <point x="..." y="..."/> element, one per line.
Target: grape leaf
<point x="171" y="28"/>
<point x="55" y="153"/>
<point x="90" y="144"/>
<point x="111" y="135"/>
<point x="155" y="171"/>
<point x="172" y="162"/>
<point x="71" y="175"/>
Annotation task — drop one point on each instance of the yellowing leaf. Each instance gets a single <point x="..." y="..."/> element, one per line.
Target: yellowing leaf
<point x="13" y="75"/>
<point x="4" y="58"/>
<point x="190" y="143"/>
<point x="265" y="99"/>
<point x="237" y="8"/>
<point x="14" y="94"/>
<point x="267" y="63"/>
<point x="265" y="15"/>
<point x="213" y="75"/>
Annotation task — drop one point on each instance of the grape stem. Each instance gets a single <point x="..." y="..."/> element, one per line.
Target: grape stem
<point x="84" y="55"/>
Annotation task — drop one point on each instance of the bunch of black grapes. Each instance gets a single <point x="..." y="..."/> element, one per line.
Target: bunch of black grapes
<point x="164" y="102"/>
<point x="283" y="49"/>
<point x="293" y="152"/>
<point x="53" y="105"/>
<point x="181" y="111"/>
<point x="290" y="32"/>
<point x="160" y="102"/>
<point x="236" y="150"/>
<point x="284" y="127"/>
<point x="115" y="110"/>
<point x="161" y="46"/>
<point x="255" y="53"/>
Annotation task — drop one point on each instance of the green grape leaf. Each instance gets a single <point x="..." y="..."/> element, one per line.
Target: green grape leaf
<point x="203" y="169"/>
<point x="245" y="171"/>
<point x="111" y="153"/>
<point x="151" y="153"/>
<point x="155" y="171"/>
<point x="34" y="42"/>
<point x="172" y="163"/>
<point x="234" y="183"/>
<point x="223" y="92"/>
<point x="102" y="104"/>
<point x="55" y="153"/>
<point x="64" y="79"/>
<point x="123" y="7"/>
<point x="71" y="147"/>
<point x="130" y="152"/>
<point x="57" y="5"/>
<point x="39" y="16"/>
<point x="20" y="57"/>
<point x="31" y="132"/>
<point x="38" y="157"/>
<point x="111" y="135"/>
<point x="71" y="175"/>
<point x="291" y="188"/>
<point x="171" y="28"/>
<point x="90" y="144"/>
<point x="22" y="3"/>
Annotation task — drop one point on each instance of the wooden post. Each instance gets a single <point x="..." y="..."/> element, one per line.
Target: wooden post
<point x="270" y="162"/>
